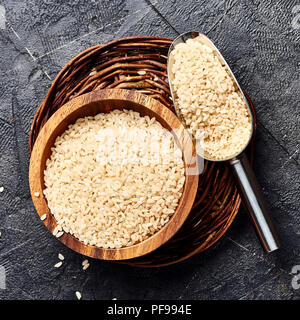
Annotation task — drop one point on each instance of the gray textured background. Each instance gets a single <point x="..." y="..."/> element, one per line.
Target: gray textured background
<point x="260" y="39"/>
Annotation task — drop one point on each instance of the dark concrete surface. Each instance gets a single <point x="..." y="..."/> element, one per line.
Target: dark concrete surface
<point x="260" y="39"/>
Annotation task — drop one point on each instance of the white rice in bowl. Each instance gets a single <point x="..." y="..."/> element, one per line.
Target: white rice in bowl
<point x="115" y="179"/>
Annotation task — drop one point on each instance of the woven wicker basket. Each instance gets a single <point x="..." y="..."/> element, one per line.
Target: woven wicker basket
<point x="139" y="63"/>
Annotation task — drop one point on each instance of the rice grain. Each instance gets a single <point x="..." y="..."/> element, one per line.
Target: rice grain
<point x="61" y="257"/>
<point x="78" y="295"/>
<point x="58" y="264"/>
<point x="84" y="262"/>
<point x="85" y="266"/>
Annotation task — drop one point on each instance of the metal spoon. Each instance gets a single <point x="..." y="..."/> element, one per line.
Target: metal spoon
<point x="249" y="188"/>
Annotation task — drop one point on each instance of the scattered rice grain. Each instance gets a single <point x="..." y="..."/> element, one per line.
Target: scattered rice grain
<point x="85" y="266"/>
<point x="58" y="264"/>
<point x="78" y="295"/>
<point x="84" y="262"/>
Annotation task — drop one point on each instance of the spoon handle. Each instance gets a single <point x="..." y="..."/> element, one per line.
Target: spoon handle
<point x="253" y="199"/>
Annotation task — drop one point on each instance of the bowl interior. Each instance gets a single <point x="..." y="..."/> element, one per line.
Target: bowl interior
<point x="89" y="105"/>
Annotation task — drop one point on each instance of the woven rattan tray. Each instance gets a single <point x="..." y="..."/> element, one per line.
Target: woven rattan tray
<point x="139" y="63"/>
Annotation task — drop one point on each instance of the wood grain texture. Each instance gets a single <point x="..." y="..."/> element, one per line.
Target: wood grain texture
<point x="92" y="104"/>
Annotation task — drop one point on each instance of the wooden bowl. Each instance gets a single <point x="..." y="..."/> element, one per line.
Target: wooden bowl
<point x="106" y="101"/>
